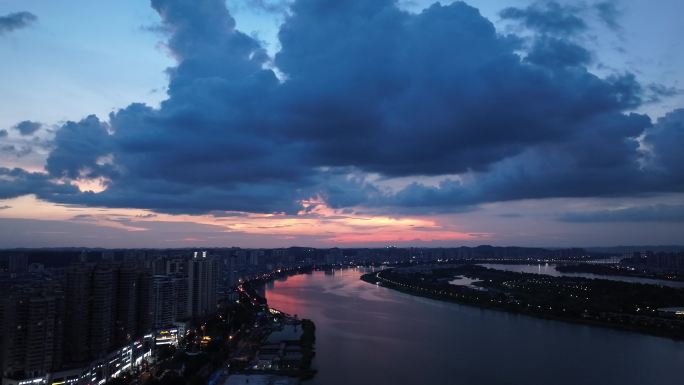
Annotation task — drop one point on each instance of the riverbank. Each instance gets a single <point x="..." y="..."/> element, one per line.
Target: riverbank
<point x="278" y="343"/>
<point x="615" y="305"/>
<point x="615" y="270"/>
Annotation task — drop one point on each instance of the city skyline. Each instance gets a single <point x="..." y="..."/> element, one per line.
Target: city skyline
<point x="279" y="123"/>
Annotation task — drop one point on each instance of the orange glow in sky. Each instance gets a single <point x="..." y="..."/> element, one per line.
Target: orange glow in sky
<point x="316" y="221"/>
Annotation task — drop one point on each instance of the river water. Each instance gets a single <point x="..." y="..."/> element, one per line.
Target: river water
<point x="550" y="269"/>
<point x="366" y="334"/>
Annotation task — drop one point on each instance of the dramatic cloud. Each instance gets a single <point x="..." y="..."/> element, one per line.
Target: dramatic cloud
<point x="3" y="134"/>
<point x="655" y="213"/>
<point x="17" y="182"/>
<point x="557" y="53"/>
<point x="16" y="151"/>
<point x="79" y="149"/>
<point x="658" y="92"/>
<point x="609" y="13"/>
<point x="567" y="20"/>
<point x="605" y="161"/>
<point x="27" y="127"/>
<point x="365" y="90"/>
<point x="549" y="17"/>
<point x="664" y="143"/>
<point x="14" y="21"/>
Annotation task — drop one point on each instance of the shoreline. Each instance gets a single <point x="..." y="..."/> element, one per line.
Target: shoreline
<point x="424" y="292"/>
<point x="308" y="339"/>
<point x="604" y="270"/>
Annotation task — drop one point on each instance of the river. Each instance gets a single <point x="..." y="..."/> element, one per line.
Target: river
<point x="550" y="269"/>
<point x="367" y="334"/>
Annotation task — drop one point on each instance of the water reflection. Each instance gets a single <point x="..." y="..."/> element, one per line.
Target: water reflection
<point x="465" y="281"/>
<point x="367" y="334"/>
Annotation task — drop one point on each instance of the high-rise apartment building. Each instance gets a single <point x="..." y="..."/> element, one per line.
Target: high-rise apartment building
<point x="18" y="265"/>
<point x="126" y="303"/>
<point x="145" y="312"/>
<point x="77" y="325"/>
<point x="163" y="301"/>
<point x="97" y="307"/>
<point x="202" y="285"/>
<point x="176" y="266"/>
<point x="181" y="297"/>
<point x="31" y="325"/>
<point x="102" y="310"/>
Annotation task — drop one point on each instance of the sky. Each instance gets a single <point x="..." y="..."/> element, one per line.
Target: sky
<point x="274" y="123"/>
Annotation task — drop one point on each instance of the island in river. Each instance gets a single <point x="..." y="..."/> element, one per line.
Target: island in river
<point x="621" y="305"/>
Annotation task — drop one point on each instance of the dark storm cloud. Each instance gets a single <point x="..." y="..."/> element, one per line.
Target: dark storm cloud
<point x="16" y="151"/>
<point x="16" y="20"/>
<point x="658" y="92"/>
<point x="27" y="127"/>
<point x="78" y="147"/>
<point x="609" y="13"/>
<point x="17" y="182"/>
<point x="548" y="17"/>
<point x="654" y="213"/>
<point x="665" y="142"/>
<point x="604" y="161"/>
<point x="367" y="88"/>
<point x="435" y="93"/>
<point x="3" y="133"/>
<point x="554" y="53"/>
<point x="558" y="19"/>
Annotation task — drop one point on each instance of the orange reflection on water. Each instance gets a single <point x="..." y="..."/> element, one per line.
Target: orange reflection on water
<point x="283" y="299"/>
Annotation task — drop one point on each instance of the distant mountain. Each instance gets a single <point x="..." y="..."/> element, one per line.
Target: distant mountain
<point x="632" y="249"/>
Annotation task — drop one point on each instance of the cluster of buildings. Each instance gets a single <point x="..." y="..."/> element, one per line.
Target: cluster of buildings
<point x="68" y="316"/>
<point x="71" y="317"/>
<point x="659" y="263"/>
<point x="281" y="350"/>
<point x="89" y="321"/>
